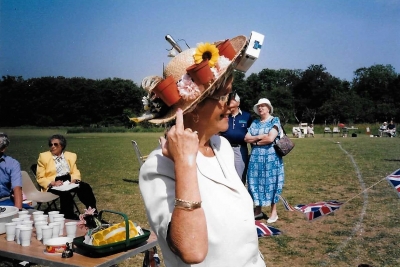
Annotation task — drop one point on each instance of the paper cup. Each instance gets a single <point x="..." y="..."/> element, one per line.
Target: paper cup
<point x="61" y="220"/>
<point x="38" y="227"/>
<point x="47" y="232"/>
<point x="51" y="213"/>
<point x="25" y="236"/>
<point x="10" y="231"/>
<point x="70" y="228"/>
<point x="56" y="229"/>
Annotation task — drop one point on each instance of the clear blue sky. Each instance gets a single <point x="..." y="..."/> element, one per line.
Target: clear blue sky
<point x="125" y="39"/>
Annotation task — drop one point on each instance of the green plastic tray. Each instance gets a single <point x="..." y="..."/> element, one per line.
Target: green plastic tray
<point x="100" y="251"/>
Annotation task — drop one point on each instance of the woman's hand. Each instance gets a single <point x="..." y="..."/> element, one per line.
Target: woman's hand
<point x="56" y="183"/>
<point x="181" y="145"/>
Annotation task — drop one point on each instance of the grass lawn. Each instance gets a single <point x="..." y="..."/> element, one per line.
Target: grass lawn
<point x="363" y="230"/>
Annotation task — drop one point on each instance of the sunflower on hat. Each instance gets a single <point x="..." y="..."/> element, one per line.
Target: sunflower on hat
<point x="208" y="52"/>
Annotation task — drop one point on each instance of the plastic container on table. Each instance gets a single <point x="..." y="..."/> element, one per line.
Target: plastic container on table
<point x="108" y="249"/>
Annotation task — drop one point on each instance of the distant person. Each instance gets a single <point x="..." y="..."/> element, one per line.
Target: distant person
<point x="239" y="121"/>
<point x="391" y="129"/>
<point x="58" y="166"/>
<point x="383" y="128"/>
<point x="296" y="131"/>
<point x="310" y="130"/>
<point x="265" y="175"/>
<point x="10" y="177"/>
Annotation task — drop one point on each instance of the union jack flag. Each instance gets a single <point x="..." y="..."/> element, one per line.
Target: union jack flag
<point x="394" y="180"/>
<point x="286" y="204"/>
<point x="318" y="209"/>
<point x="265" y="230"/>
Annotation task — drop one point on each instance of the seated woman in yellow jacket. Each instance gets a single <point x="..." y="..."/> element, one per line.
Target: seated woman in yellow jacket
<point x="57" y="166"/>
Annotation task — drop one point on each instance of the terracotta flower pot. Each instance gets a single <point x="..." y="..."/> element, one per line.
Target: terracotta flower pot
<point x="226" y="49"/>
<point x="200" y="73"/>
<point x="167" y="90"/>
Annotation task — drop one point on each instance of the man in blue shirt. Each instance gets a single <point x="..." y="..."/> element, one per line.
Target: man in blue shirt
<point x="10" y="177"/>
<point x="239" y="121"/>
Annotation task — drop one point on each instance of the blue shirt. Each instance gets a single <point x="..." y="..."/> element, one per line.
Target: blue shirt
<point x="10" y="175"/>
<point x="238" y="128"/>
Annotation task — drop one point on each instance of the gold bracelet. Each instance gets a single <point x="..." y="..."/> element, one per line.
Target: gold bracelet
<point x="187" y="205"/>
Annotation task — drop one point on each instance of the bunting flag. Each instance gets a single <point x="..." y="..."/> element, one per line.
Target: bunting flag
<point x="318" y="209"/>
<point x="286" y="204"/>
<point x="314" y="210"/>
<point x="265" y="230"/>
<point x="394" y="180"/>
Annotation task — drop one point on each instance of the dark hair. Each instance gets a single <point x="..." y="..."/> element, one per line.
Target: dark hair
<point x="63" y="141"/>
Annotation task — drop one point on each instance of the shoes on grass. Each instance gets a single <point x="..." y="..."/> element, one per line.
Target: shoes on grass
<point x="259" y="216"/>
<point x="272" y="220"/>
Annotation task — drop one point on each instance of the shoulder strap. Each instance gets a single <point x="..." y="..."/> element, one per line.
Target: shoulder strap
<point x="283" y="129"/>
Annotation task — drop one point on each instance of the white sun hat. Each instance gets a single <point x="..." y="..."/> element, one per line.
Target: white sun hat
<point x="263" y="101"/>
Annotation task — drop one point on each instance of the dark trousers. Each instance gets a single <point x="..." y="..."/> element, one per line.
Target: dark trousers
<point x="85" y="195"/>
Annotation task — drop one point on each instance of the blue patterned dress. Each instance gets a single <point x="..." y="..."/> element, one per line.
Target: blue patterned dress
<point x="265" y="174"/>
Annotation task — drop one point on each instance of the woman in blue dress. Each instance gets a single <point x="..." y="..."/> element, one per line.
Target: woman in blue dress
<point x="265" y="174"/>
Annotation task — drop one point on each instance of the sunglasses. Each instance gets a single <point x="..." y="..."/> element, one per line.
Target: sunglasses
<point x="54" y="144"/>
<point x="225" y="99"/>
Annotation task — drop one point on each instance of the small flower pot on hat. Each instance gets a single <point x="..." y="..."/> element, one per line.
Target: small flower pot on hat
<point x="200" y="73"/>
<point x="167" y="90"/>
<point x="226" y="49"/>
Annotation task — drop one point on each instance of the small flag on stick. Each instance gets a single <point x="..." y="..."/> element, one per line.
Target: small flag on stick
<point x="319" y="209"/>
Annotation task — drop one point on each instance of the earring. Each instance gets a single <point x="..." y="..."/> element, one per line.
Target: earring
<point x="196" y="118"/>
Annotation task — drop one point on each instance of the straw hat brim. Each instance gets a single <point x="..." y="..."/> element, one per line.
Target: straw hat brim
<point x="177" y="68"/>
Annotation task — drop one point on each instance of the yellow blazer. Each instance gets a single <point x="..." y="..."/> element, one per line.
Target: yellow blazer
<point x="46" y="168"/>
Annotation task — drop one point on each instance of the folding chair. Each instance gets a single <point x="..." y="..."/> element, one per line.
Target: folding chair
<point x="32" y="193"/>
<point x="141" y="159"/>
<point x="335" y="130"/>
<point x="328" y="130"/>
<point x="76" y="208"/>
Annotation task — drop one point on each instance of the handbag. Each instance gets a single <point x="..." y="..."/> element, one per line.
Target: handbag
<point x="284" y="145"/>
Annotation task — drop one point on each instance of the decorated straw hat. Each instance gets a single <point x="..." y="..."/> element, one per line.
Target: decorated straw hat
<point x="188" y="88"/>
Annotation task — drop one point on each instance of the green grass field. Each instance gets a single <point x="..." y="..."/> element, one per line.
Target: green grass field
<point x="363" y="230"/>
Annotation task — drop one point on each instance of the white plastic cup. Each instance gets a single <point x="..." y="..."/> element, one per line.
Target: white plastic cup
<point x="47" y="232"/>
<point x="37" y="213"/>
<point x="18" y="221"/>
<point x="25" y="217"/>
<point x="46" y="217"/>
<point x="39" y="220"/>
<point x="23" y="212"/>
<point x="56" y="229"/>
<point x="58" y="215"/>
<point x="61" y="220"/>
<point x="70" y="228"/>
<point x="25" y="236"/>
<point x="51" y="213"/>
<point x="27" y="223"/>
<point x="39" y="231"/>
<point x="17" y="233"/>
<point x="10" y="231"/>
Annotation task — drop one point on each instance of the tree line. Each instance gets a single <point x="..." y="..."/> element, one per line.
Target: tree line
<point x="312" y="95"/>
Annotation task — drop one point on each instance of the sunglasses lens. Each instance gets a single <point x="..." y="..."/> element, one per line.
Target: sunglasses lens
<point x="53" y="144"/>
